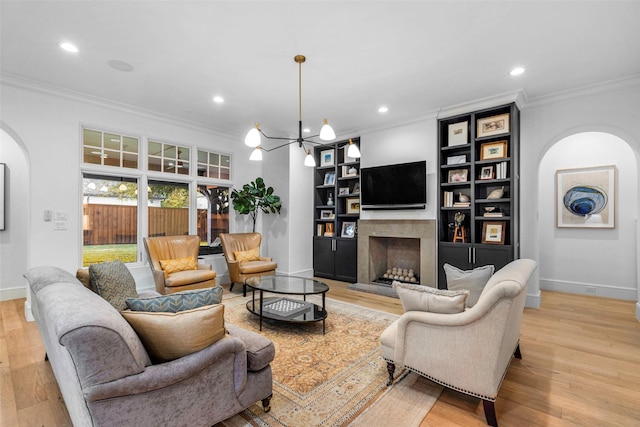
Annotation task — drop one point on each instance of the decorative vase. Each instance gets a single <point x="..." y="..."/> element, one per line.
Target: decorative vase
<point x="330" y="199"/>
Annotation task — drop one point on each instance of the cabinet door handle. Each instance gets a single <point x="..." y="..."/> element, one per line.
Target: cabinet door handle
<point x="333" y="245"/>
<point x="474" y="256"/>
<point x="469" y="253"/>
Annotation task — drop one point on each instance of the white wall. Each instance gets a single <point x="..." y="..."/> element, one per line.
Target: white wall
<point x="13" y="240"/>
<point x="612" y="109"/>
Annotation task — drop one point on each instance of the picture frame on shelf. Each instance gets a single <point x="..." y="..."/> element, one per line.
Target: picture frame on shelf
<point x="349" y="171"/>
<point x="493" y="233"/>
<point x="343" y="191"/>
<point x="486" y="172"/>
<point x="329" y="178"/>
<point x="327" y="214"/>
<point x="348" y="229"/>
<point x="493" y="150"/>
<point x="494" y="125"/>
<point x="586" y="197"/>
<point x="327" y="158"/>
<point x="458" y="134"/>
<point x="328" y="229"/>
<point x="458" y="175"/>
<point x="456" y="160"/>
<point x="353" y="205"/>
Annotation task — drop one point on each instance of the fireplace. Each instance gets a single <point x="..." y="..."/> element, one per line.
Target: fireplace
<point x="406" y="244"/>
<point x="394" y="258"/>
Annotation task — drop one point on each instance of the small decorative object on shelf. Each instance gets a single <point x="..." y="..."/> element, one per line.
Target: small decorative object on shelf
<point x="330" y="199"/>
<point x="328" y="231"/>
<point x="496" y="194"/>
<point x="459" y="235"/>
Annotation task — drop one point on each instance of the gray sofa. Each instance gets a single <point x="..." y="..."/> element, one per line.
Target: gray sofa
<point x="105" y="374"/>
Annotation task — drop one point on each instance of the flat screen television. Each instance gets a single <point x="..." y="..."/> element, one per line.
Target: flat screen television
<point x="399" y="186"/>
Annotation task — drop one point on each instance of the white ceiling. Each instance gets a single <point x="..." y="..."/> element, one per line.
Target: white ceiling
<point x="415" y="57"/>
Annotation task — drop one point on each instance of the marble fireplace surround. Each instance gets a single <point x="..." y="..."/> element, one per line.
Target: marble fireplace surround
<point x="425" y="230"/>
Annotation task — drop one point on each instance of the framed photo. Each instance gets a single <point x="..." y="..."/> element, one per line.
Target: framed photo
<point x="458" y="134"/>
<point x="348" y="229"/>
<point x="458" y="175"/>
<point x="328" y="231"/>
<point x="349" y="171"/>
<point x="329" y="178"/>
<point x="493" y="232"/>
<point x="496" y="125"/>
<point x="586" y="197"/>
<point x="493" y="150"/>
<point x="327" y="214"/>
<point x="326" y="158"/>
<point x="456" y="160"/>
<point x="486" y="172"/>
<point x="343" y="191"/>
<point x="353" y="205"/>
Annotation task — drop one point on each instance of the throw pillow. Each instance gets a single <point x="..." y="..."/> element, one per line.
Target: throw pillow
<point x="113" y="282"/>
<point x="169" y="336"/>
<point x="426" y="298"/>
<point x="250" y="255"/>
<point x="178" y="264"/>
<point x="472" y="280"/>
<point x="179" y="301"/>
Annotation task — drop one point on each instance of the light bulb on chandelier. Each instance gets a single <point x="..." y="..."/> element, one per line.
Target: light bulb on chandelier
<point x="253" y="138"/>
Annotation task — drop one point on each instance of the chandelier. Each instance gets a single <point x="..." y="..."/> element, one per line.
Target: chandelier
<point x="253" y="138"/>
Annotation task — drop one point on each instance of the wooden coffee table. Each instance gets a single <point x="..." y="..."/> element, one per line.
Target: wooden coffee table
<point x="283" y="308"/>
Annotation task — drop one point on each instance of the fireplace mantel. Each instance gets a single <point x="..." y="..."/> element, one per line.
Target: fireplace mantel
<point x="425" y="230"/>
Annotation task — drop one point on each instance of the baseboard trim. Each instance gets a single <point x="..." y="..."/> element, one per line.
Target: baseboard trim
<point x="638" y="311"/>
<point x="593" y="289"/>
<point x="13" y="293"/>
<point x="533" y="301"/>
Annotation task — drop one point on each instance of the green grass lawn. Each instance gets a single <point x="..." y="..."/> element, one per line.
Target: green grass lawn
<point x="94" y="254"/>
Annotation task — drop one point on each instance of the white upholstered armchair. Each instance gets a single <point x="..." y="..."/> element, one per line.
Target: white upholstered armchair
<point x="468" y="351"/>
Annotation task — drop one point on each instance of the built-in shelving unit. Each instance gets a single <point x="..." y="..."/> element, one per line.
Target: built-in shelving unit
<point x="478" y="189"/>
<point x="336" y="212"/>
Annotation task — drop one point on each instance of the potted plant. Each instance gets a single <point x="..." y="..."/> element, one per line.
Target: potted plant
<point x="253" y="197"/>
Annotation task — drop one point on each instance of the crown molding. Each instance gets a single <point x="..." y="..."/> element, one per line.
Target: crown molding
<point x="48" y="89"/>
<point x="602" y="87"/>
<point x="519" y="97"/>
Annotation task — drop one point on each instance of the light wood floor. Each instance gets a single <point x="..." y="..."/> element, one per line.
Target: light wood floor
<point x="580" y="366"/>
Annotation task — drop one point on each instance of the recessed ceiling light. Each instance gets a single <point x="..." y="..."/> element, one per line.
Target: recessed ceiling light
<point x="120" y="65"/>
<point x="218" y="99"/>
<point x="383" y="109"/>
<point x="517" y="71"/>
<point x="69" y="47"/>
<point x="306" y="130"/>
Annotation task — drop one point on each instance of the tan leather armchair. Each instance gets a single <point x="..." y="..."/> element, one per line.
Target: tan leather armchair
<point x="470" y="351"/>
<point x="177" y="247"/>
<point x="240" y="271"/>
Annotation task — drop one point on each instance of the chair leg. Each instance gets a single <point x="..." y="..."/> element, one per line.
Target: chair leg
<point x="266" y="403"/>
<point x="244" y="289"/>
<point x="391" y="368"/>
<point x="231" y="286"/>
<point x="46" y="357"/>
<point x="517" y="353"/>
<point x="490" y="413"/>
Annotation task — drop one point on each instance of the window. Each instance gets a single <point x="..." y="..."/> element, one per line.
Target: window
<point x="213" y="213"/>
<point x="168" y="208"/>
<point x="168" y="158"/>
<point x="109" y="149"/>
<point x="214" y="165"/>
<point x="110" y="211"/>
<point x="109" y="219"/>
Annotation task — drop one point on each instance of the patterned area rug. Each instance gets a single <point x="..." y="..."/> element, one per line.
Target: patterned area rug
<point x="319" y="380"/>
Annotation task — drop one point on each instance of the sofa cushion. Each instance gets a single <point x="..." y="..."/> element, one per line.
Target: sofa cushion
<point x="471" y="280"/>
<point x="248" y="255"/>
<point x="252" y="267"/>
<point x="178" y="264"/>
<point x="189" y="277"/>
<point x="169" y="336"/>
<point x="426" y="298"/>
<point x="113" y="282"/>
<point x="260" y="349"/>
<point x="179" y="301"/>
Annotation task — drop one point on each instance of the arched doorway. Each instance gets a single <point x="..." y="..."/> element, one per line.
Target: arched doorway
<point x="594" y="261"/>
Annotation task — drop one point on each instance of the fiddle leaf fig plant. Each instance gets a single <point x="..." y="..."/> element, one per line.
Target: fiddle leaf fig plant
<point x="255" y="197"/>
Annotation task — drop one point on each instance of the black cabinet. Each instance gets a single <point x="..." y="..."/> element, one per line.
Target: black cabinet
<point x="478" y="189"/>
<point x="336" y="212"/>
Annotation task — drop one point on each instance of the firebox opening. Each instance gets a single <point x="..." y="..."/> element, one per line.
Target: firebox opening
<point x="389" y="253"/>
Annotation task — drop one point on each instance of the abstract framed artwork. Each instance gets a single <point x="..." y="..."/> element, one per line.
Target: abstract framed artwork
<point x="586" y="197"/>
<point x="493" y="232"/>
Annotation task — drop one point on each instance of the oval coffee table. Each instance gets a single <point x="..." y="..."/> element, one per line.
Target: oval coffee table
<point x="284" y="308"/>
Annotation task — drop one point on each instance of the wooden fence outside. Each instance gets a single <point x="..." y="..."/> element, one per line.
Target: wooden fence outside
<point x="114" y="224"/>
